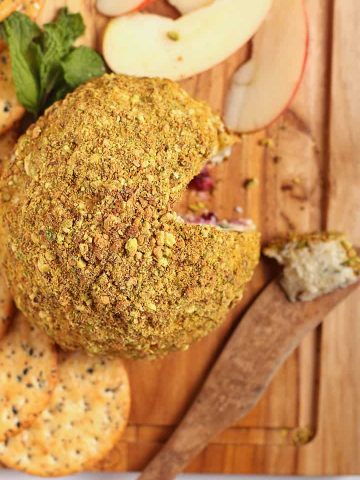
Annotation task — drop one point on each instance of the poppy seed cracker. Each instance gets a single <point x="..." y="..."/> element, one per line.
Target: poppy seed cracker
<point x="10" y="108"/>
<point x="7" y="145"/>
<point x="6" y="306"/>
<point x="28" y="363"/>
<point x="29" y="7"/>
<point x="86" y="416"/>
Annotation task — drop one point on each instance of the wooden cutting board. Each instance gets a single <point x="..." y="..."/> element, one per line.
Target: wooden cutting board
<point x="308" y="170"/>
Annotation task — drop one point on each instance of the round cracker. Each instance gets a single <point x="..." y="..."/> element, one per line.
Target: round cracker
<point x="10" y="108"/>
<point x="32" y="8"/>
<point x="7" y="7"/>
<point x="7" y="146"/>
<point x="6" y="310"/>
<point x="28" y="363"/>
<point x="86" y="416"/>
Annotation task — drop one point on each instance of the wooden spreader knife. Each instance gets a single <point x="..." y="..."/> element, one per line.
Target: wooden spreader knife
<point x="266" y="335"/>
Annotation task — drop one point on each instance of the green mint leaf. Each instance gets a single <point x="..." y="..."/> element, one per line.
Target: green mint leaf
<point x="57" y="39"/>
<point x="58" y="93"/>
<point x="58" y="36"/>
<point x="45" y="65"/>
<point x="19" y="32"/>
<point x="80" y="65"/>
<point x="19" y="29"/>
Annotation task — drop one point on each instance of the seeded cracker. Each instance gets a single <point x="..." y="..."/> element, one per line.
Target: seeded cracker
<point x="6" y="307"/>
<point x="10" y="108"/>
<point x="7" y="145"/>
<point x="27" y="376"/>
<point x="86" y="416"/>
<point x="30" y="7"/>
<point x="7" y="7"/>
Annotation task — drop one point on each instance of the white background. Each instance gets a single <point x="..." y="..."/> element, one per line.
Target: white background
<point x="7" y="475"/>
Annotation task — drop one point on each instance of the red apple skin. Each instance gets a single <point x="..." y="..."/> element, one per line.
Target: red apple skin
<point x="306" y="51"/>
<point x="167" y="65"/>
<point x="142" y="5"/>
<point x="303" y="67"/>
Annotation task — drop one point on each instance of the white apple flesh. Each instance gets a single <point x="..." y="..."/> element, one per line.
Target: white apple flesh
<point x="187" y="6"/>
<point x="264" y="86"/>
<point x="144" y="44"/>
<point x="113" y="8"/>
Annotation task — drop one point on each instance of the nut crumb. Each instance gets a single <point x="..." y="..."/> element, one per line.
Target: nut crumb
<point x="173" y="35"/>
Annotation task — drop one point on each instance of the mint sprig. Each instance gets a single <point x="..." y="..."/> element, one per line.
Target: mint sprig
<point x="45" y="65"/>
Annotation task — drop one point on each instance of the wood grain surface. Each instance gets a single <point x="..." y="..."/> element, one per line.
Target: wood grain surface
<point x="308" y="422"/>
<point x="266" y="335"/>
<point x="313" y="142"/>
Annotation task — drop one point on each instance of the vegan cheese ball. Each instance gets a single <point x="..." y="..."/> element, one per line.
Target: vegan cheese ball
<point x="94" y="254"/>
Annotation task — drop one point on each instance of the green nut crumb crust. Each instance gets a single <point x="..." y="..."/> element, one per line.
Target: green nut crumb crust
<point x="94" y="254"/>
<point x="302" y="240"/>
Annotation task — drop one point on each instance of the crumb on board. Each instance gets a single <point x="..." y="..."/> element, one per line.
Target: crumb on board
<point x="173" y="35"/>
<point x="267" y="142"/>
<point x="197" y="207"/>
<point x="302" y="436"/>
<point x="250" y="183"/>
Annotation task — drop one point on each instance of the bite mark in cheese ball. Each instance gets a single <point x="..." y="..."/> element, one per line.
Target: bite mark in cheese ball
<point x="95" y="255"/>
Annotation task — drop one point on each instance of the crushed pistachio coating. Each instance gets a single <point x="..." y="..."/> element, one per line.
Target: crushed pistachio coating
<point x="95" y="256"/>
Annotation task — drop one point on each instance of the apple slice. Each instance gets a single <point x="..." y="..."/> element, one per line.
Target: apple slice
<point x="113" y="8"/>
<point x="264" y="86"/>
<point x="144" y="44"/>
<point x="187" y="6"/>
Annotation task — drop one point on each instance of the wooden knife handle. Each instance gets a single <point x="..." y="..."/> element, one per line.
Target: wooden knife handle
<point x="177" y="453"/>
<point x="270" y="330"/>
